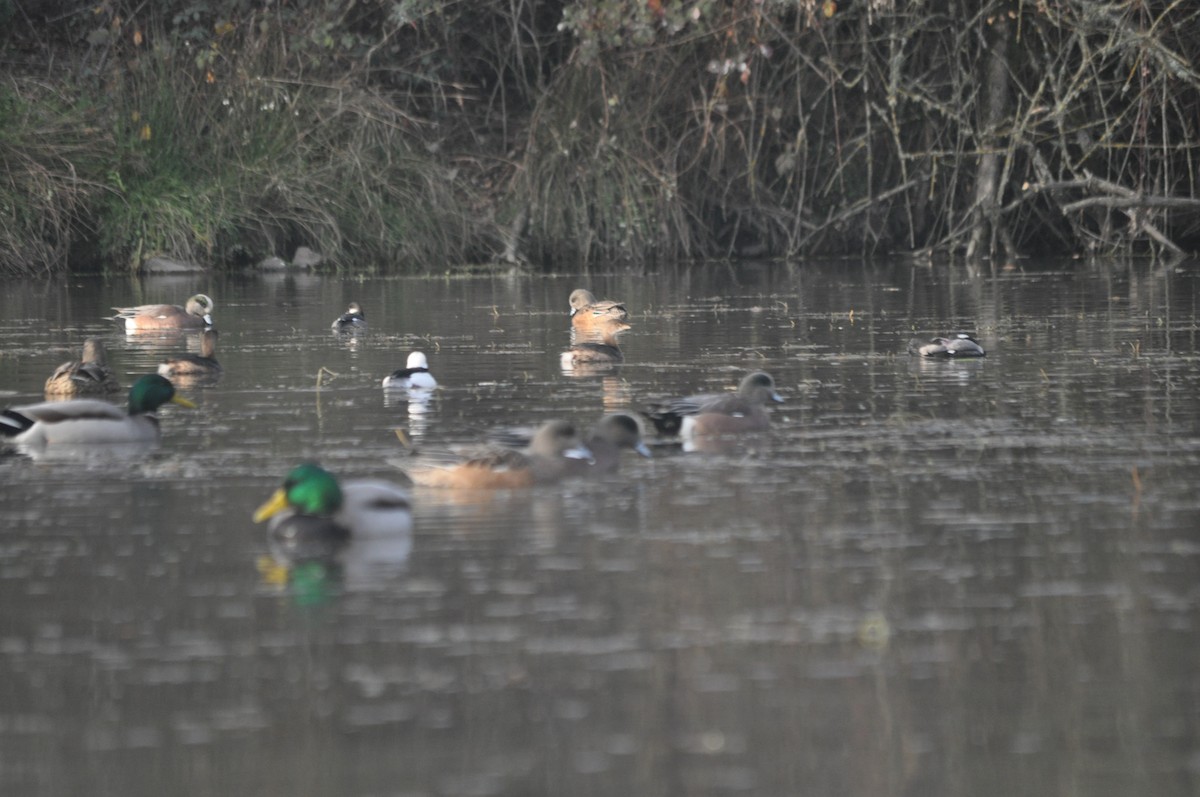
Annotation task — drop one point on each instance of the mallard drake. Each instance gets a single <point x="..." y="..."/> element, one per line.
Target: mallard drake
<point x="195" y="365"/>
<point x="197" y="314"/>
<point x="89" y="376"/>
<point x="961" y="345"/>
<point x="415" y="373"/>
<point x="588" y="314"/>
<point x="547" y="460"/>
<point x="718" y="413"/>
<point x="352" y="319"/>
<point x="90" y="421"/>
<point x="312" y="515"/>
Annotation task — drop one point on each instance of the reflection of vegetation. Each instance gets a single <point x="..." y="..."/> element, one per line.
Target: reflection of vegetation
<point x="422" y="132"/>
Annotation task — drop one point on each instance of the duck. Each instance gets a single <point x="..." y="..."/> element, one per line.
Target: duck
<point x="606" y="440"/>
<point x="91" y="421"/>
<point x="414" y="374"/>
<point x="88" y="376"/>
<point x="588" y="314"/>
<point x="313" y="515"/>
<point x="961" y="345"/>
<point x="718" y="413"/>
<point x="548" y="459"/>
<point x="604" y="351"/>
<point x="195" y="365"/>
<point x="351" y="320"/>
<point x="196" y="314"/>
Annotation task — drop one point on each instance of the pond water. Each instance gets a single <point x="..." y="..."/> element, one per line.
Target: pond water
<point x="932" y="578"/>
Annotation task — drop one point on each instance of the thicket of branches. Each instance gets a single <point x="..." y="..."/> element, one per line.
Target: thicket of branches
<point x="422" y="134"/>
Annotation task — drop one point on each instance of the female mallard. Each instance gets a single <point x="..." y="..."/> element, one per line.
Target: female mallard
<point x="89" y="376"/>
<point x="195" y="365"/>
<point x="90" y="421"/>
<point x="961" y="345"/>
<point x="312" y="516"/>
<point x="197" y="314"/>
<point x="415" y="373"/>
<point x="350" y="321"/>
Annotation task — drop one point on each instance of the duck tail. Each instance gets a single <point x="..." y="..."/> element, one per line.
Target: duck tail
<point x="13" y="423"/>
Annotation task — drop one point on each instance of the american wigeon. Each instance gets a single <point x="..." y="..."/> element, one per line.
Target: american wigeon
<point x="588" y="314"/>
<point x="605" y="440"/>
<point x="197" y="314"/>
<point x="351" y="320"/>
<point x="89" y="376"/>
<point x="547" y="460"/>
<point x="414" y="374"/>
<point x="90" y="421"/>
<point x="313" y="515"/>
<point x="718" y="413"/>
<point x="961" y="345"/>
<point x="203" y="364"/>
<point x="604" y="351"/>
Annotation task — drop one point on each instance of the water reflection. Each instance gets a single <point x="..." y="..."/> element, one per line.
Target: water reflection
<point x="930" y="576"/>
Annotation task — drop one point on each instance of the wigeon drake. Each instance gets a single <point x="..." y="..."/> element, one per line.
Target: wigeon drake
<point x="588" y="314"/>
<point x="718" y="413"/>
<point x="547" y="460"/>
<point x="196" y="314"/>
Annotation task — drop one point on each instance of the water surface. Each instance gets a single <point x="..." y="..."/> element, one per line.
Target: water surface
<point x="932" y="577"/>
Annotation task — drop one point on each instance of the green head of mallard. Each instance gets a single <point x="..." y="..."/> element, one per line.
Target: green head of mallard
<point x="151" y="392"/>
<point x="308" y="489"/>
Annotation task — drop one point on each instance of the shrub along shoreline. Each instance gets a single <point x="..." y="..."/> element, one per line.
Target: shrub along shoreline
<point x="418" y="135"/>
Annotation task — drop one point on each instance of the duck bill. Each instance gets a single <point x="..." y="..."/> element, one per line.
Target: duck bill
<point x="580" y="452"/>
<point x="181" y="401"/>
<point x="274" y="505"/>
<point x="644" y="450"/>
<point x="775" y="397"/>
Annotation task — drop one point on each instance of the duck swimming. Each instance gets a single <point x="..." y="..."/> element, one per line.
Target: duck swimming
<point x="961" y="345"/>
<point x="351" y="320"/>
<point x="196" y="314"/>
<point x="548" y="459"/>
<point x="415" y="373"/>
<point x="195" y="365"/>
<point x="588" y="314"/>
<point x="313" y="515"/>
<point x="91" y="421"/>
<point x="89" y="376"/>
<point x="718" y="413"/>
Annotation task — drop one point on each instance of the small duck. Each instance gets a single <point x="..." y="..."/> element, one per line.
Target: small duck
<point x="351" y="320"/>
<point x="961" y="345"/>
<point x="313" y="516"/>
<point x="415" y="373"/>
<point x="195" y="365"/>
<point x="718" y="413"/>
<point x="548" y="459"/>
<point x="91" y="421"/>
<point x="606" y="440"/>
<point x="605" y="351"/>
<point x="197" y="314"/>
<point x="588" y="314"/>
<point x="89" y="376"/>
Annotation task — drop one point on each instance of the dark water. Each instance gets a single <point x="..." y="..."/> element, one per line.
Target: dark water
<point x="934" y="577"/>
